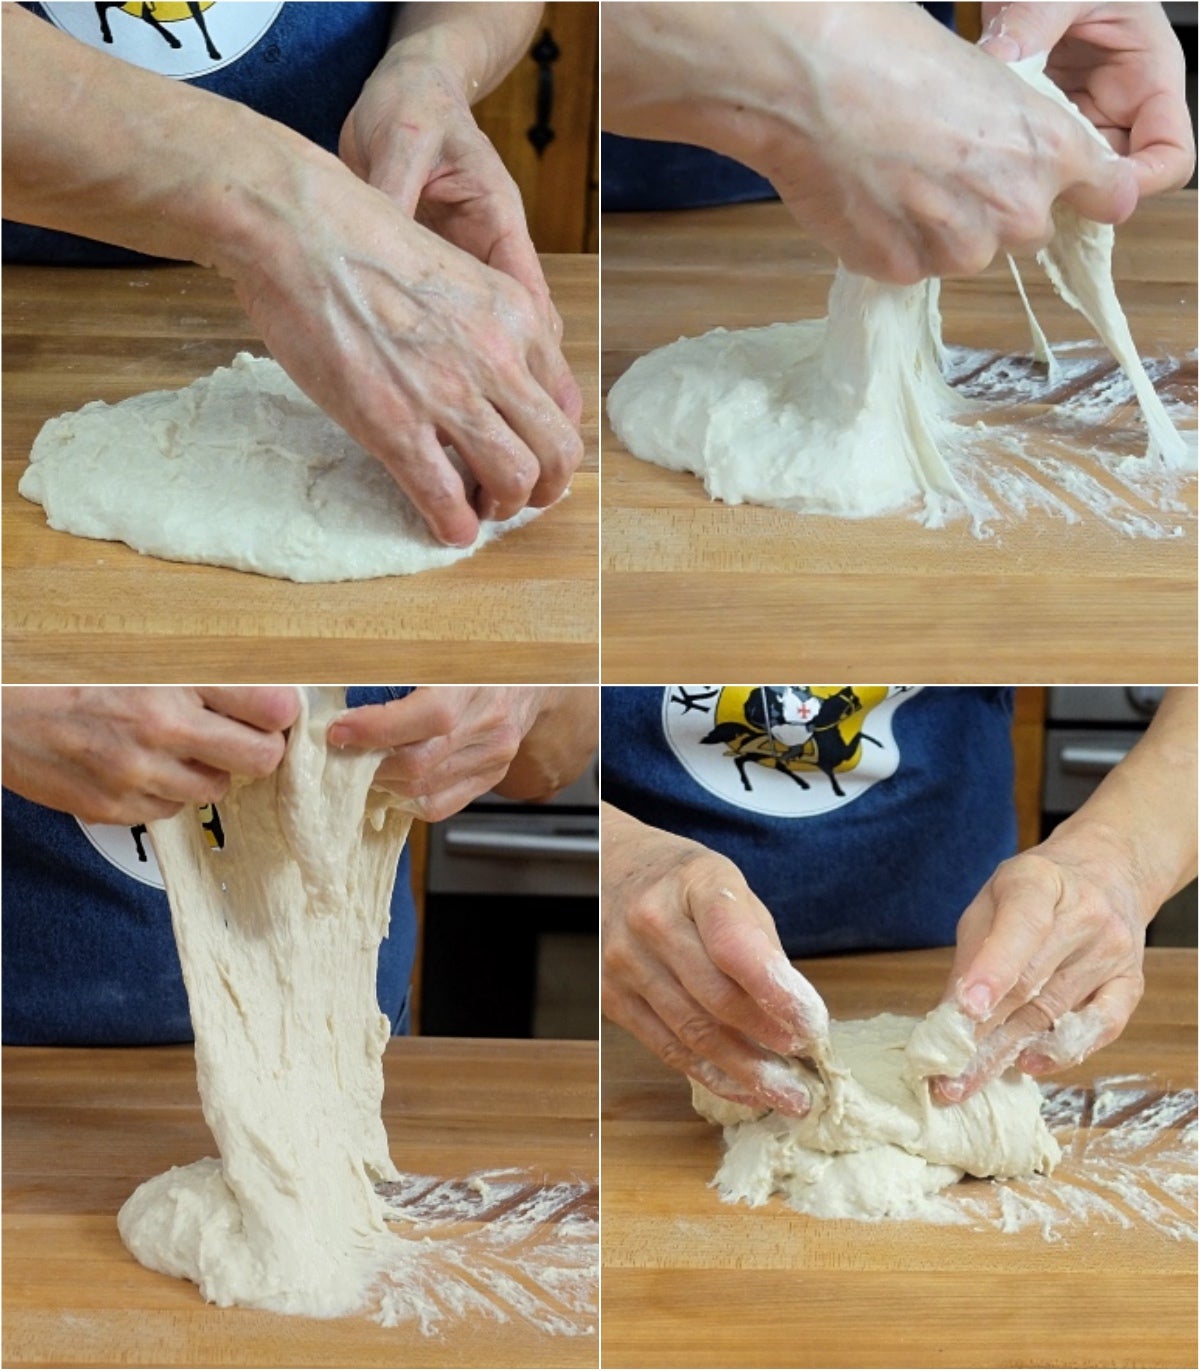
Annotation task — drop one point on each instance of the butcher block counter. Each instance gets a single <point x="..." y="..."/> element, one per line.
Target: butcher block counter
<point x="83" y="1127"/>
<point x="695" y="589"/>
<point x="522" y="609"/>
<point x="692" y="1281"/>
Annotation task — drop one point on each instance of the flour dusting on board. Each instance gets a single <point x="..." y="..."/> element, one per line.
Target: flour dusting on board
<point x="1129" y="1160"/>
<point x="494" y="1244"/>
<point x="1068" y="447"/>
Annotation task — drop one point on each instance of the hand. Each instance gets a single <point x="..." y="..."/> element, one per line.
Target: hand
<point x="409" y="343"/>
<point x="128" y="754"/>
<point x="402" y="338"/>
<point x="1124" y="68"/>
<point x="1049" y="957"/>
<point x="693" y="967"/>
<point x="411" y="134"/>
<point x="890" y="139"/>
<point x="448" y="744"/>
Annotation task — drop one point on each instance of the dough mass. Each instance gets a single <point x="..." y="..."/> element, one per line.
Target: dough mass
<point x="850" y="415"/>
<point x="239" y="469"/>
<point x="874" y="1145"/>
<point x="278" y="934"/>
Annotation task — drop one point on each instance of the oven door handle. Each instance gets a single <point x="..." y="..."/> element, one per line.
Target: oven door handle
<point x="1083" y="760"/>
<point x="503" y="842"/>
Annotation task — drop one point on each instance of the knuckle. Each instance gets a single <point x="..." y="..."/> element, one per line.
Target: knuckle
<point x="646" y="919"/>
<point x="676" y="1055"/>
<point x="698" y="1032"/>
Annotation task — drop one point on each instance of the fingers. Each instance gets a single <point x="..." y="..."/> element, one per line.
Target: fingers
<point x="1105" y="187"/>
<point x="1049" y="1031"/>
<point x="427" y="476"/>
<point x="499" y="459"/>
<point x="739" y="937"/>
<point x="1021" y="30"/>
<point x="226" y="746"/>
<point x="1022" y="896"/>
<point x="689" y="1041"/>
<point x="270" y="708"/>
<point x="1161" y="146"/>
<point x="1080" y="1033"/>
<point x="426" y="713"/>
<point x="546" y="430"/>
<point x="721" y="996"/>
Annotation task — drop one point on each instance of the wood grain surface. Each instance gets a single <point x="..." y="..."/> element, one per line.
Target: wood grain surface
<point x="523" y="609"/>
<point x="691" y="1281"/>
<point x="694" y="589"/>
<point x="83" y="1127"/>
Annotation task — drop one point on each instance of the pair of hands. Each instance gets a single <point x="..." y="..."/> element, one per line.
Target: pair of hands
<point x="434" y="323"/>
<point x="125" y="755"/>
<point x="693" y="965"/>
<point x="904" y="150"/>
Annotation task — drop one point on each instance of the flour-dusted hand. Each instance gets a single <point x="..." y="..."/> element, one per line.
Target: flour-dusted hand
<point x="1124" y="68"/>
<point x="693" y="967"/>
<point x="129" y="754"/>
<point x="906" y="151"/>
<point x="450" y="744"/>
<point x="1049" y="955"/>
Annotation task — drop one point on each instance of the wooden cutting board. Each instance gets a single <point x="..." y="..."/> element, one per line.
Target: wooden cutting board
<point x="84" y="1126"/>
<point x="694" y="589"/>
<point x="691" y="1281"/>
<point x="523" y="609"/>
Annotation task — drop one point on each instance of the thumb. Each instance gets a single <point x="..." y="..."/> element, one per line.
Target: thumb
<point x="1020" y="30"/>
<point x="1106" y="187"/>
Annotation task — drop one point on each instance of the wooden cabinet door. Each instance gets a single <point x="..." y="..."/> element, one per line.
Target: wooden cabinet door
<point x="558" y="184"/>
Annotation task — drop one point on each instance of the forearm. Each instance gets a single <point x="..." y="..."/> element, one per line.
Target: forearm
<point x="1145" y="809"/>
<point x="479" y="42"/>
<point x="93" y="145"/>
<point x="558" y="746"/>
<point x="670" y="71"/>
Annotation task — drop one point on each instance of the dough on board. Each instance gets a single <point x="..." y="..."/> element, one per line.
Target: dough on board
<point x="850" y="415"/>
<point x="239" y="469"/>
<point x="278" y="933"/>
<point x="874" y="1145"/>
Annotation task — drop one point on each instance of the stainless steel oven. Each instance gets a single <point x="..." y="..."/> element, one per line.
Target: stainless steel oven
<point x="510" y="946"/>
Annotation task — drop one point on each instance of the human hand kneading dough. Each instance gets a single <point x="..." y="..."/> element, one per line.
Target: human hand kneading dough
<point x="1049" y="954"/>
<point x="129" y="754"/>
<point x="693" y="967"/>
<point x="405" y="339"/>
<point x="450" y="744"/>
<point x="1124" y="68"/>
<point x="905" y="150"/>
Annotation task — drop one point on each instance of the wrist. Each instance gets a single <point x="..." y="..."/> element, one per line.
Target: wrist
<point x="1113" y="857"/>
<point x="444" y="59"/>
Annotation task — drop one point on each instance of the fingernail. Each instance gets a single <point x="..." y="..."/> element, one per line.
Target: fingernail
<point x="1035" y="1064"/>
<point x="977" y="1001"/>
<point x="951" y="1090"/>
<point x="339" y="735"/>
<point x="1005" y="48"/>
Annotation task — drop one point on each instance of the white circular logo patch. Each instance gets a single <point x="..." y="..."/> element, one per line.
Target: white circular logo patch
<point x="180" y="40"/>
<point x="130" y="849"/>
<point x="787" y="751"/>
